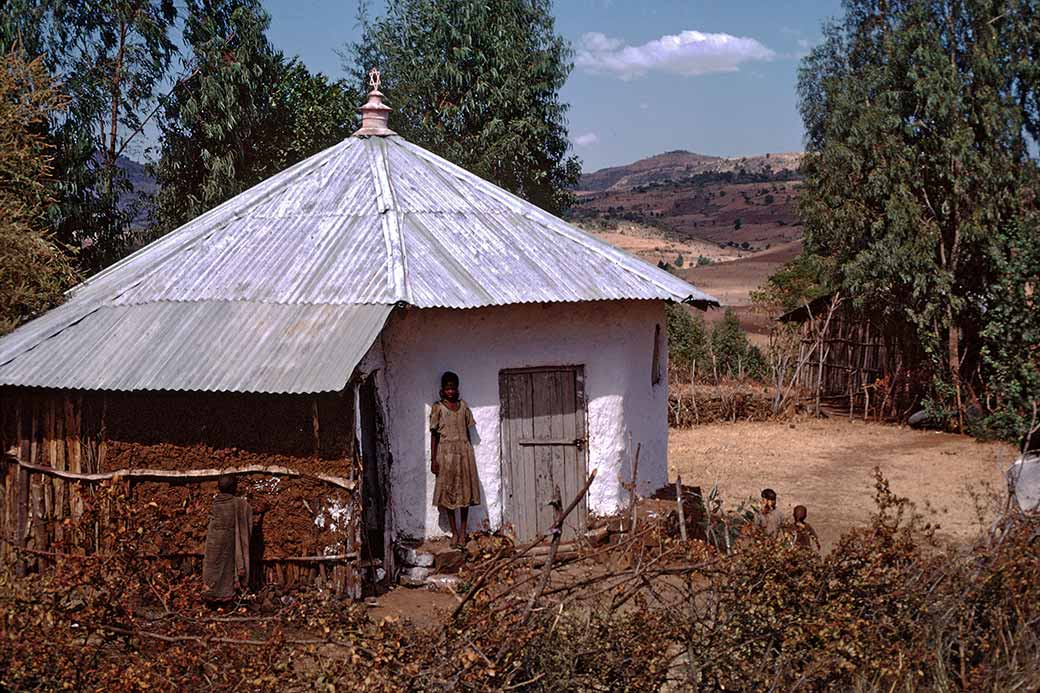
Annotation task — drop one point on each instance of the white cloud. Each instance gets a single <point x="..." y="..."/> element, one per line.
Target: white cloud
<point x="586" y="140"/>
<point x="688" y="53"/>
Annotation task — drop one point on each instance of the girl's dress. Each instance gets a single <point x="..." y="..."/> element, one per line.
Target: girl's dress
<point x="457" y="483"/>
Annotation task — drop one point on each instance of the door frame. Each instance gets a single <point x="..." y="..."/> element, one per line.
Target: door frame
<point x="581" y="401"/>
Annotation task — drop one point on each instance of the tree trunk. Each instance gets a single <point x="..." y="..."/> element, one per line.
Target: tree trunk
<point x="113" y="132"/>
<point x="955" y="365"/>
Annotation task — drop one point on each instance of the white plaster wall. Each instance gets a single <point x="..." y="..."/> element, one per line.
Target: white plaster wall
<point x="613" y="340"/>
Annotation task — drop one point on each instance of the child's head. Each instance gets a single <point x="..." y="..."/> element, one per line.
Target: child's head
<point x="800" y="513"/>
<point x="227" y="483"/>
<point x="450" y="386"/>
<point x="769" y="498"/>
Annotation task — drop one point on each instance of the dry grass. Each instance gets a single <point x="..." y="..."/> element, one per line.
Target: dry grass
<point x="826" y="466"/>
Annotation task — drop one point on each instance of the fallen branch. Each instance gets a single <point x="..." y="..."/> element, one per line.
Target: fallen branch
<point x="495" y="568"/>
<point x="183" y="554"/>
<point x="557" y="531"/>
<point x="197" y="475"/>
<point x="204" y="640"/>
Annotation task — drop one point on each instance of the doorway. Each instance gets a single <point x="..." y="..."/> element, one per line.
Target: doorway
<point x="544" y="445"/>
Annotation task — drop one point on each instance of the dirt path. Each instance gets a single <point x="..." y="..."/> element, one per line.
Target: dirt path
<point x="827" y="466"/>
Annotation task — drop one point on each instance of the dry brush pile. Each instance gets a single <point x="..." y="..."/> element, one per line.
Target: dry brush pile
<point x="887" y="608"/>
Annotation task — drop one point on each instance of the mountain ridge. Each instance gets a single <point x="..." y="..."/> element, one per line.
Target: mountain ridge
<point x="680" y="164"/>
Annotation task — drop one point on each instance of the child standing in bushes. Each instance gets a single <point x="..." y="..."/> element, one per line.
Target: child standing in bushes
<point x="452" y="459"/>
<point x="767" y="520"/>
<point x="802" y="533"/>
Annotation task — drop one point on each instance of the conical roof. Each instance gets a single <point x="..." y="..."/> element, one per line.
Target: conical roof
<point x="284" y="287"/>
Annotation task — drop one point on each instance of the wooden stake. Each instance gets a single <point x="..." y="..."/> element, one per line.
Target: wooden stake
<point x="314" y="424"/>
<point x="632" y="488"/>
<point x="678" y="499"/>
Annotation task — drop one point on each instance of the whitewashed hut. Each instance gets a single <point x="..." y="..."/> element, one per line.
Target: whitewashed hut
<point x="371" y="268"/>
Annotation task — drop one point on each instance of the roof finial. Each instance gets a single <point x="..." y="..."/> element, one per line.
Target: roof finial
<point x="374" y="114"/>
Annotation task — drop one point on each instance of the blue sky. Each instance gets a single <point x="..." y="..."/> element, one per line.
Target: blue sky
<point x="708" y="76"/>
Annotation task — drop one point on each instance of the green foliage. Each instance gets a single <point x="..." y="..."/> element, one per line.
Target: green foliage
<point x="478" y="83"/>
<point x="737" y="224"/>
<point x="687" y="338"/>
<point x="797" y="282"/>
<point x="690" y="342"/>
<point x="734" y="355"/>
<point x="246" y="114"/>
<point x="1011" y="336"/>
<point x="919" y="118"/>
<point x="703" y="261"/>
<point x="314" y="113"/>
<point x="34" y="269"/>
<point x="679" y="260"/>
<point x="213" y="125"/>
<point x="111" y="57"/>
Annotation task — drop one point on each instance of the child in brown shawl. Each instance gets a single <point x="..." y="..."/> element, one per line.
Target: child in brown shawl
<point x="225" y="568"/>
<point x="452" y="458"/>
<point x="802" y="533"/>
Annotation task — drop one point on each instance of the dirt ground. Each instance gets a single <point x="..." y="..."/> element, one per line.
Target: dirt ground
<point x="651" y="245"/>
<point x="827" y="465"/>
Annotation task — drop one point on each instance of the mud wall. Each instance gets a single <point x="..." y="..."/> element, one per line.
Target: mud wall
<point x="94" y="432"/>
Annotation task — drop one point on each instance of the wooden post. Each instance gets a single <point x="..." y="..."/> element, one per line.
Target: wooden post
<point x="693" y="391"/>
<point x="72" y="448"/>
<point x="679" y="500"/>
<point x="21" y="493"/>
<point x="314" y="424"/>
<point x="632" y="488"/>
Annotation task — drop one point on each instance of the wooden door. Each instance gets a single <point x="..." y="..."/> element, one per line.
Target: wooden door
<point x="544" y="444"/>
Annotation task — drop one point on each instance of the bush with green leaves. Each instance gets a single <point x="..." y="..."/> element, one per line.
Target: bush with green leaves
<point x="734" y="355"/>
<point x="687" y="339"/>
<point x="723" y="351"/>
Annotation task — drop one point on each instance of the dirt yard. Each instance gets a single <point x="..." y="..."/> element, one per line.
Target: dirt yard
<point x="826" y="466"/>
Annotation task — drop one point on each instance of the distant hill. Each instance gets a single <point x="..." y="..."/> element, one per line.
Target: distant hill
<point x="746" y="203"/>
<point x="138" y="174"/>
<point x="144" y="189"/>
<point x="723" y="223"/>
<point x="679" y="165"/>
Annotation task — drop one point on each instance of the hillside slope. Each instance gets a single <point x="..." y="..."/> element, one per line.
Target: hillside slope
<point x="678" y="165"/>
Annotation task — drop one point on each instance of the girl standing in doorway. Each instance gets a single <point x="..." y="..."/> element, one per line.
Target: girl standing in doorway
<point x="453" y="461"/>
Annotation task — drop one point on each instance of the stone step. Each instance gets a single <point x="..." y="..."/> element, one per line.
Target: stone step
<point x="413" y="556"/>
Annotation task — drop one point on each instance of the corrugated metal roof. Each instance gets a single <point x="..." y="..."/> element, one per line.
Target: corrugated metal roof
<point x="208" y="346"/>
<point x="367" y="222"/>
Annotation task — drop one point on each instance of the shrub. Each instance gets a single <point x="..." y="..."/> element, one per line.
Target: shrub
<point x="687" y="339"/>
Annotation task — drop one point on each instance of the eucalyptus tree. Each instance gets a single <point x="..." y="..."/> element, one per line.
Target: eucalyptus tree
<point x="919" y="117"/>
<point x="243" y="112"/>
<point x="478" y="83"/>
<point x="112" y="58"/>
